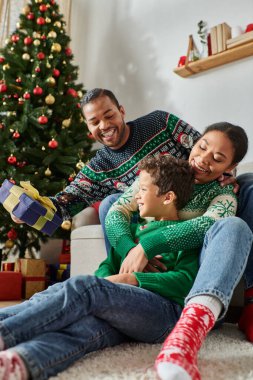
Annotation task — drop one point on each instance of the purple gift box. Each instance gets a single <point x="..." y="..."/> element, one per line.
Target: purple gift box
<point x="16" y="201"/>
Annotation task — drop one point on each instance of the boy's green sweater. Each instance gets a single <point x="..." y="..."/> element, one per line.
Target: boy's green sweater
<point x="182" y="266"/>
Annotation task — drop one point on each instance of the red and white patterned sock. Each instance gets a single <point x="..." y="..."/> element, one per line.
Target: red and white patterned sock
<point x="178" y="357"/>
<point x="12" y="366"/>
<point x="246" y="320"/>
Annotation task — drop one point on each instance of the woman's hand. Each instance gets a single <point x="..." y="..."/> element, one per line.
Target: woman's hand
<point x="229" y="179"/>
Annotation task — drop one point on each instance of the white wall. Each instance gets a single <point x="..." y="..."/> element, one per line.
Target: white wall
<point x="132" y="46"/>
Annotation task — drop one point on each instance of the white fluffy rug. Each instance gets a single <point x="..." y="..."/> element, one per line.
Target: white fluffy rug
<point x="225" y="355"/>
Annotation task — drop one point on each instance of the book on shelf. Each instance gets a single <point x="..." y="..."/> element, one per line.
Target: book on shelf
<point x="213" y="37"/>
<point x="239" y="40"/>
<point x="226" y="34"/>
<point x="219" y="38"/>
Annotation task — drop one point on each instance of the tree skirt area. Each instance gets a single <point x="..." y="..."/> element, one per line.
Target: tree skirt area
<point x="225" y="355"/>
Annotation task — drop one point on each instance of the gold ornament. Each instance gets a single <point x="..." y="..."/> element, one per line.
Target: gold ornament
<point x="48" y="20"/>
<point x="52" y="34"/>
<point x="66" y="225"/>
<point x="48" y="172"/>
<point x="57" y="24"/>
<point x="7" y="41"/>
<point x="38" y="1"/>
<point x="80" y="165"/>
<point x="6" y="67"/>
<point x="9" y="243"/>
<point x="66" y="123"/>
<point x="43" y="148"/>
<point x="36" y="42"/>
<point x="26" y="57"/>
<point x="50" y="99"/>
<point x="26" y="10"/>
<point x="56" y="47"/>
<point x="36" y="35"/>
<point x="80" y="94"/>
<point x="18" y="25"/>
<point x="51" y="81"/>
<point x="48" y="65"/>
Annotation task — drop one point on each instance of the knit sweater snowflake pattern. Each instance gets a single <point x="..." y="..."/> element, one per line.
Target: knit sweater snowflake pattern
<point x="182" y="266"/>
<point x="209" y="203"/>
<point x="111" y="170"/>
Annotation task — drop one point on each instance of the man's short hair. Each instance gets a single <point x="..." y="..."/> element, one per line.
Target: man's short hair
<point x="95" y="93"/>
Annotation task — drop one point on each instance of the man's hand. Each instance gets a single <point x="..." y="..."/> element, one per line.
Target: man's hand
<point x="229" y="179"/>
<point x="155" y="265"/>
<point x="16" y="220"/>
<point x="135" y="261"/>
<point x="126" y="278"/>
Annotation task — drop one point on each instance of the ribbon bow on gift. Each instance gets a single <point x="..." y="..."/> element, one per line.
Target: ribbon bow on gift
<point x="33" y="193"/>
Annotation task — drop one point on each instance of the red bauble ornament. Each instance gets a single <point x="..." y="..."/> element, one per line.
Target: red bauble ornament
<point x="37" y="70"/>
<point x="12" y="181"/>
<point x="28" y="41"/>
<point x="19" y="80"/>
<point x="26" y="96"/>
<point x="41" y="55"/>
<point x="56" y="73"/>
<point x="12" y="234"/>
<point x="30" y="16"/>
<point x="3" y="87"/>
<point x="2" y="60"/>
<point x="38" y="91"/>
<point x="21" y="164"/>
<point x="53" y="144"/>
<point x="68" y="52"/>
<point x="72" y="92"/>
<point x="15" y="96"/>
<point x="43" y="8"/>
<point x="16" y="135"/>
<point x="15" y="38"/>
<point x="1" y="126"/>
<point x="78" y="105"/>
<point x="70" y="179"/>
<point x="52" y="2"/>
<point x="21" y="101"/>
<point x="12" y="160"/>
<point x="41" y="21"/>
<point x="43" y="37"/>
<point x="43" y="119"/>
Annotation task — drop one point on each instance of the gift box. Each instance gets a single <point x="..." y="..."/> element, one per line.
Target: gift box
<point x="7" y="266"/>
<point x="33" y="273"/>
<point x="64" y="258"/>
<point x="10" y="286"/>
<point x="26" y="204"/>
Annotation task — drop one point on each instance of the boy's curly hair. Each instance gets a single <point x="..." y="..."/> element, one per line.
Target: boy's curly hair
<point x="170" y="174"/>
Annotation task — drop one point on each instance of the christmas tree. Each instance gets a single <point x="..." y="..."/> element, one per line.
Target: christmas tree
<point x="43" y="136"/>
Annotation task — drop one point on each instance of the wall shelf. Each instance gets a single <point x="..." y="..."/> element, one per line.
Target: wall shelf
<point x="212" y="61"/>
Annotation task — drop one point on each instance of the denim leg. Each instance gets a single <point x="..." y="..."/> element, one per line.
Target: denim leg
<point x="50" y="353"/>
<point x="245" y="211"/>
<point x="222" y="260"/>
<point x="103" y="210"/>
<point x="135" y="312"/>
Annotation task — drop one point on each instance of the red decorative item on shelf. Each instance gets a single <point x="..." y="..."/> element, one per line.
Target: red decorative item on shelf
<point x="53" y="144"/>
<point x="3" y="87"/>
<point x="249" y="28"/>
<point x="38" y="90"/>
<point x="43" y="119"/>
<point x="41" y="21"/>
<point x="181" y="61"/>
<point x="12" y="160"/>
<point x="28" y="41"/>
<point x="41" y="56"/>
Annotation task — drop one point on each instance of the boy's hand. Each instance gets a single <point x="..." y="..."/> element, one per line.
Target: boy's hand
<point x="229" y="179"/>
<point x="155" y="265"/>
<point x="135" y="261"/>
<point x="126" y="278"/>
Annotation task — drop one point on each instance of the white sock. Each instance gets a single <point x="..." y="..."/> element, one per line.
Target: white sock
<point x="213" y="303"/>
<point x="170" y="371"/>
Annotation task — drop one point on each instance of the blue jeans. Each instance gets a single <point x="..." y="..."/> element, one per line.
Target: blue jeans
<point x="83" y="314"/>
